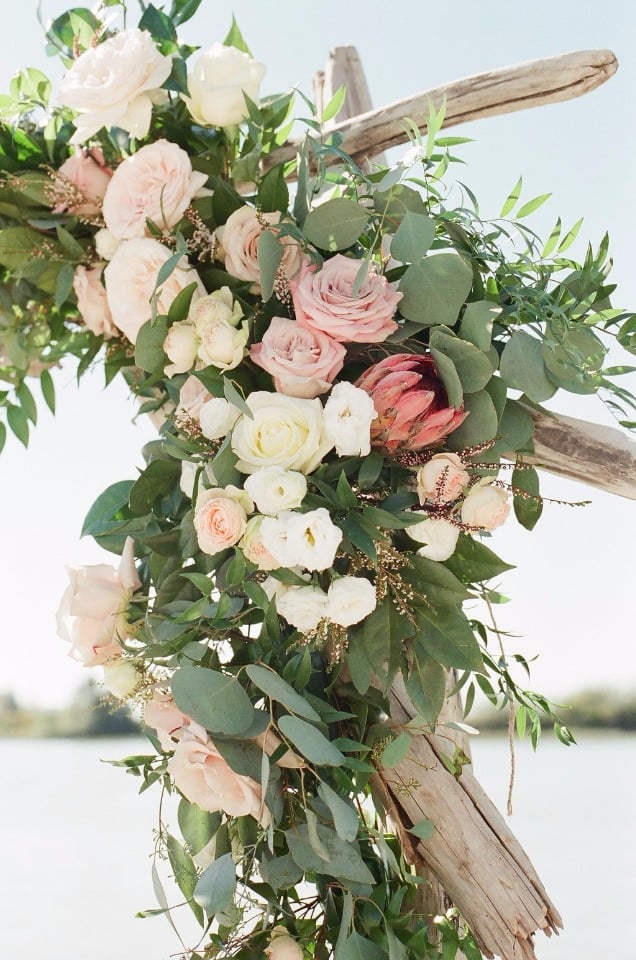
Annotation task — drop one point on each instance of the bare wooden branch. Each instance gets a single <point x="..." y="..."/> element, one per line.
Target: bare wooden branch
<point x="530" y="84"/>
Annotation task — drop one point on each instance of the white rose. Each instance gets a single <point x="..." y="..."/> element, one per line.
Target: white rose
<point x="313" y="538"/>
<point x="438" y="535"/>
<point x="109" y="85"/>
<point x="215" y="318"/>
<point x="274" y="489"/>
<point x="106" y="243"/>
<point x="217" y="84"/>
<point x="442" y="479"/>
<point x="131" y="279"/>
<point x="348" y="414"/>
<point x="217" y="417"/>
<point x="282" y="431"/>
<point x="485" y="506"/>
<point x="121" y="678"/>
<point x="180" y="346"/>
<point x="283" y="947"/>
<point x="302" y="607"/>
<point x="350" y="600"/>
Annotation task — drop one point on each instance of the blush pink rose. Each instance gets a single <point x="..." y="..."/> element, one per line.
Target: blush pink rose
<point x="192" y="397"/>
<point x="131" y="281"/>
<point x="163" y="715"/>
<point x="324" y="302"/>
<point x="86" y="170"/>
<point x="302" y="362"/>
<point x="204" y="778"/>
<point x="239" y="244"/>
<point x="92" y="613"/>
<point x="486" y="506"/>
<point x="92" y="302"/>
<point x="442" y="479"/>
<point x="157" y="183"/>
<point x="220" y="518"/>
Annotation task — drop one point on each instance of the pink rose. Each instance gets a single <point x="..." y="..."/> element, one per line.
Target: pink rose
<point x="192" y="396"/>
<point x="88" y="177"/>
<point x="485" y="506"/>
<point x="239" y="245"/>
<point x="157" y="183"/>
<point x="442" y="479"/>
<point x="204" y="778"/>
<point x="325" y="303"/>
<point x="131" y="280"/>
<point x="92" y="302"/>
<point x="220" y="518"/>
<point x="302" y="362"/>
<point x="163" y="715"/>
<point x="92" y="613"/>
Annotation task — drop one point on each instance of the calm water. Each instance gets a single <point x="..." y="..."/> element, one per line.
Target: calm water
<point x="76" y="843"/>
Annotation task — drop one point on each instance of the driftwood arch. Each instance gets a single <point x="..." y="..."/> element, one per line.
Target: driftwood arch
<point x="473" y="858"/>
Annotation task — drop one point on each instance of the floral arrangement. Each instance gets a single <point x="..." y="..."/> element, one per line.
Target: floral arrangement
<point x="343" y="374"/>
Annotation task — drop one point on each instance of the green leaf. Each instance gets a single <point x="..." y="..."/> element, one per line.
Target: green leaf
<point x="270" y="254"/>
<point x="522" y="367"/>
<point x="217" y="885"/>
<point x="104" y="511"/>
<point x="413" y="237"/>
<point x="527" y="509"/>
<point x="512" y="198"/>
<point x="64" y="284"/>
<point x="345" y="817"/>
<point x="435" y="289"/>
<point x="396" y="751"/>
<point x="27" y="402"/>
<point x="180" y="306"/>
<point x="375" y="646"/>
<point x="426" y="685"/>
<point x="3" y="436"/>
<point x="18" y="421"/>
<point x="515" y="429"/>
<point x="434" y="582"/>
<point x="449" y="377"/>
<point x="278" y="689"/>
<point x="280" y="872"/>
<point x="197" y="826"/>
<point x="474" y="562"/>
<point x="184" y="870"/>
<point x="477" y="321"/>
<point x="158" y="479"/>
<point x="356" y="947"/>
<point x="423" y="830"/>
<point x="446" y="636"/>
<point x="480" y="425"/>
<point x="309" y="741"/>
<point x="345" y="862"/>
<point x="48" y="389"/>
<point x="531" y="206"/>
<point x="336" y="224"/>
<point x="333" y="107"/>
<point x="370" y="469"/>
<point x="236" y="39"/>
<point x="473" y="367"/>
<point x="149" y="353"/>
<point x="273" y="192"/>
<point x="215" y="700"/>
<point x="575" y="359"/>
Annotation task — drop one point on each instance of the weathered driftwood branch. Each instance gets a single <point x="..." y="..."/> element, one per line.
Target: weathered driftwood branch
<point x="530" y="84"/>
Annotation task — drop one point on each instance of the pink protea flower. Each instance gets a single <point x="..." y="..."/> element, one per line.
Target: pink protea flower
<point x="412" y="404"/>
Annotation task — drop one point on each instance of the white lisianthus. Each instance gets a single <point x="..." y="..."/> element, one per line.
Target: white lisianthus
<point x="312" y="538"/>
<point x="486" y="506"/>
<point x="302" y="607"/>
<point x="274" y="489"/>
<point x="111" y="84"/>
<point x="180" y="346"/>
<point x="217" y="84"/>
<point x="217" y="417"/>
<point x="442" y="479"/>
<point x="348" y="414"/>
<point x="121" y="678"/>
<point x="439" y="537"/>
<point x="350" y="600"/>
<point x="282" y="431"/>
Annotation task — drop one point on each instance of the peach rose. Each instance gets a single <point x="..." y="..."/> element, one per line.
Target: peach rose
<point x="157" y="183"/>
<point x="92" y="613"/>
<point x="302" y="363"/>
<point x="131" y="280"/>
<point x="86" y="170"/>
<point x="204" y="778"/>
<point x="163" y="715"/>
<point x="110" y="85"/>
<point x="220" y="518"/>
<point x="486" y="506"/>
<point x="239" y="245"/>
<point x="283" y="947"/>
<point x="192" y="396"/>
<point x="92" y="302"/>
<point x="442" y="479"/>
<point x="253" y="545"/>
<point x="325" y="303"/>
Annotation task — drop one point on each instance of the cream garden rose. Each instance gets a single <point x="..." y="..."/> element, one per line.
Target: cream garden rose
<point x="438" y="535"/>
<point x="442" y="479"/>
<point x="181" y="347"/>
<point x="157" y="184"/>
<point x="131" y="279"/>
<point x="302" y="363"/>
<point x="220" y="517"/>
<point x="216" y="318"/>
<point x="283" y="947"/>
<point x="92" y="613"/>
<point x="302" y="607"/>
<point x="217" y="417"/>
<point x="111" y="84"/>
<point x="217" y="83"/>
<point x="348" y="415"/>
<point x="282" y="431"/>
<point x="274" y="489"/>
<point x="92" y="302"/>
<point x="350" y="600"/>
<point x="485" y="506"/>
<point x="239" y="237"/>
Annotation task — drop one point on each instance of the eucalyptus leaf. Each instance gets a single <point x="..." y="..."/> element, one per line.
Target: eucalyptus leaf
<point x="345" y="817"/>
<point x="149" y="352"/>
<point x="197" y="826"/>
<point x="345" y="861"/>
<point x="356" y="947"/>
<point x="527" y="508"/>
<point x="474" y="562"/>
<point x="278" y="689"/>
<point x="434" y="289"/>
<point x="522" y="367"/>
<point x="473" y="367"/>
<point x="270" y="254"/>
<point x="396" y="750"/>
<point x="480" y="425"/>
<point x="336" y="224"/>
<point x="447" y="637"/>
<point x="309" y="741"/>
<point x="215" y="700"/>
<point x="477" y="321"/>
<point x="413" y="237"/>
<point x="216" y="886"/>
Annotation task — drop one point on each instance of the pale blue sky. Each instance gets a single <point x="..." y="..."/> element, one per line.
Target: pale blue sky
<point x="571" y="594"/>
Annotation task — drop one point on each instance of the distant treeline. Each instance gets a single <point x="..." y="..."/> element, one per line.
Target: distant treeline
<point x="589" y="709"/>
<point x="88" y="715"/>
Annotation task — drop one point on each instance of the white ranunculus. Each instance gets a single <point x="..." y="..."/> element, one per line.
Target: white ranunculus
<point x="180" y="346"/>
<point x="439" y="537"/>
<point x="274" y="489"/>
<point x="110" y="85"/>
<point x="486" y="506"/>
<point x="282" y="431"/>
<point x="217" y="417"/>
<point x="348" y="414"/>
<point x="121" y="678"/>
<point x="313" y="539"/>
<point x="217" y="83"/>
<point x="302" y="607"/>
<point x="350" y="600"/>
